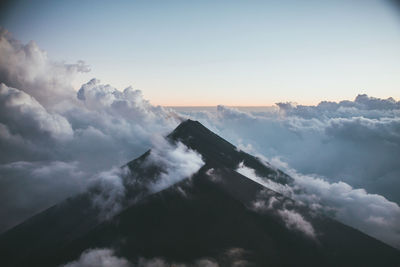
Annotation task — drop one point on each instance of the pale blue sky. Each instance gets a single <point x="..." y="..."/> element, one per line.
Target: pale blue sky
<point x="223" y="52"/>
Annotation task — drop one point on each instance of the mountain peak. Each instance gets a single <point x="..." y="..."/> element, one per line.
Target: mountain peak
<point x="211" y="146"/>
<point x="217" y="152"/>
<point x="191" y="123"/>
<point x="189" y="127"/>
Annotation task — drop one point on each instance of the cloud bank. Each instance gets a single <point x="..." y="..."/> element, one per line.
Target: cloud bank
<point x="45" y="123"/>
<point x="357" y="142"/>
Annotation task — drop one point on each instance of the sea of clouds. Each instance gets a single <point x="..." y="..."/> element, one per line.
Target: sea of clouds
<point x="357" y="142"/>
<point x="55" y="141"/>
<point x="345" y="155"/>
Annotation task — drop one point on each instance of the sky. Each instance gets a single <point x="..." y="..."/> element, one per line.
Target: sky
<point x="61" y="131"/>
<point x="238" y="53"/>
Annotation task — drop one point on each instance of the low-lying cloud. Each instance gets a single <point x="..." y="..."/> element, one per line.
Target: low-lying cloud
<point x="371" y="213"/>
<point x="106" y="257"/>
<point x="174" y="162"/>
<point x="278" y="205"/>
<point x="108" y="191"/>
<point x="99" y="258"/>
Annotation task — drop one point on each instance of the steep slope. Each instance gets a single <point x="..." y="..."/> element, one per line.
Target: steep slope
<point x="215" y="212"/>
<point x="217" y="151"/>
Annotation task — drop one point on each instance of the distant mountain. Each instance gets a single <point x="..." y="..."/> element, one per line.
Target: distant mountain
<point x="213" y="213"/>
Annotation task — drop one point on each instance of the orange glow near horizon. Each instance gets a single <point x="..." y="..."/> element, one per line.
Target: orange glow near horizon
<point x="234" y="101"/>
<point x="215" y="103"/>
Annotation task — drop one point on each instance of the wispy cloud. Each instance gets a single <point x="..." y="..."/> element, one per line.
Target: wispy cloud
<point x="278" y="205"/>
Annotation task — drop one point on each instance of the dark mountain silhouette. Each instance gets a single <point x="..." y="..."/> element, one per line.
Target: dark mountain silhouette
<point x="206" y="216"/>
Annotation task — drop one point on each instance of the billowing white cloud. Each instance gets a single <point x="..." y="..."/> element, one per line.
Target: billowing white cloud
<point x="43" y="120"/>
<point x="363" y="105"/>
<point x="106" y="257"/>
<point x="176" y="161"/>
<point x="128" y="104"/>
<point x="370" y="213"/>
<point x="99" y="258"/>
<point x="121" y="123"/>
<point x="157" y="262"/>
<point x="28" y="68"/>
<point x="23" y="116"/>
